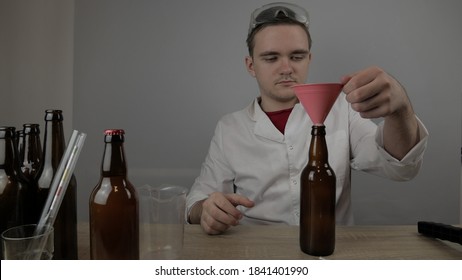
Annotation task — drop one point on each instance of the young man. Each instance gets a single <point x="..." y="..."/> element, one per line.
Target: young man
<point x="252" y="171"/>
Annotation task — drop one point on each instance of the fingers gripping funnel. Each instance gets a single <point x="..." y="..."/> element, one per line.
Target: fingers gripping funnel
<point x="317" y="99"/>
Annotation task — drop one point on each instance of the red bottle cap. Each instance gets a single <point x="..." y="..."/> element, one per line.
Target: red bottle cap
<point x="114" y="132"/>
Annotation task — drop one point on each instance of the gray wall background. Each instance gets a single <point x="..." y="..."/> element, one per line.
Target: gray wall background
<point x="36" y="60"/>
<point x="166" y="71"/>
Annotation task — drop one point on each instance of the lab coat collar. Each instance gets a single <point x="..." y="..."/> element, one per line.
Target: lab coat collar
<point x="263" y="125"/>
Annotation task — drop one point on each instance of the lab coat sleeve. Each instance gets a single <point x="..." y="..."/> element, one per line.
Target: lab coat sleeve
<point x="409" y="166"/>
<point x="369" y="155"/>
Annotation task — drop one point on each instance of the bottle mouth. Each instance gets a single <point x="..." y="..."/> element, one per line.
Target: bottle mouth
<point x="318" y="129"/>
<point x="112" y="132"/>
<point x="7" y="131"/>
<point x="53" y="115"/>
<point x="114" y="135"/>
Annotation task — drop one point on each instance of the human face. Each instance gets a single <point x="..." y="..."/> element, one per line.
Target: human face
<point x="281" y="58"/>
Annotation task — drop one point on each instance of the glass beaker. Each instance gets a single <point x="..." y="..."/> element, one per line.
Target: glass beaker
<point x="162" y="210"/>
<point x="23" y="243"/>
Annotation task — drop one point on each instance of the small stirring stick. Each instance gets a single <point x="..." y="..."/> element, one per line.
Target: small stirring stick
<point x="59" y="184"/>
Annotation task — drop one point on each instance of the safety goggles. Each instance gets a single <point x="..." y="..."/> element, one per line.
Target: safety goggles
<point x="271" y="12"/>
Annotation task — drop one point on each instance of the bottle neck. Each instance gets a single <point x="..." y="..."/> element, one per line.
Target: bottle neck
<point x="114" y="163"/>
<point x="7" y="154"/>
<point x="32" y="149"/>
<point x="54" y="144"/>
<point x="30" y="152"/>
<point x="318" y="148"/>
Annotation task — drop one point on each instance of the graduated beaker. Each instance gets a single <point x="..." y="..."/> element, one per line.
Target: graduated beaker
<point x="162" y="210"/>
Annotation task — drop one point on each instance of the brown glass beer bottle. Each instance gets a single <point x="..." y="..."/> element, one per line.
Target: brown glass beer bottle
<point x="30" y="153"/>
<point x="65" y="226"/>
<point x="317" y="199"/>
<point x="13" y="190"/>
<point x="114" y="222"/>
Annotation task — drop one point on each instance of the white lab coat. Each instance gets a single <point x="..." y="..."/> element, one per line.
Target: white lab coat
<point x="248" y="155"/>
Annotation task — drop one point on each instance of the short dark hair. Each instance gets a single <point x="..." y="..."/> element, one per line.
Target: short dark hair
<point x="275" y="21"/>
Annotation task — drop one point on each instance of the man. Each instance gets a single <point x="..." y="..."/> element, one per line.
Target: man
<point x="252" y="171"/>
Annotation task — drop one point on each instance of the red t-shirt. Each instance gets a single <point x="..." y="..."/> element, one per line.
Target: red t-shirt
<point x="279" y="118"/>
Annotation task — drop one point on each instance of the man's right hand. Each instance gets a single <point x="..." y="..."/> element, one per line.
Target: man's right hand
<point x="218" y="212"/>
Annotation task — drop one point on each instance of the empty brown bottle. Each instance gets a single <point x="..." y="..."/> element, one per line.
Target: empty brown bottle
<point x="65" y="226"/>
<point x="13" y="191"/>
<point x="317" y="199"/>
<point x="30" y="151"/>
<point x="114" y="222"/>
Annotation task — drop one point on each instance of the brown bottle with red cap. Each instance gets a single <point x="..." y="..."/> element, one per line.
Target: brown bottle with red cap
<point x="114" y="226"/>
<point x="317" y="199"/>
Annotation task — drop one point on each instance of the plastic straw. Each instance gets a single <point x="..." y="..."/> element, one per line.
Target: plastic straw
<point x="60" y="182"/>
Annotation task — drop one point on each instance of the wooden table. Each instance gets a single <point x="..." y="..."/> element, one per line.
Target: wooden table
<point x="281" y="242"/>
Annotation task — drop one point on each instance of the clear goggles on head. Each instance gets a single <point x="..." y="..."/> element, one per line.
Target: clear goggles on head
<point x="273" y="11"/>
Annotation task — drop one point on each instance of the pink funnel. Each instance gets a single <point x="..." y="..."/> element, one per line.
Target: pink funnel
<point x="317" y="99"/>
